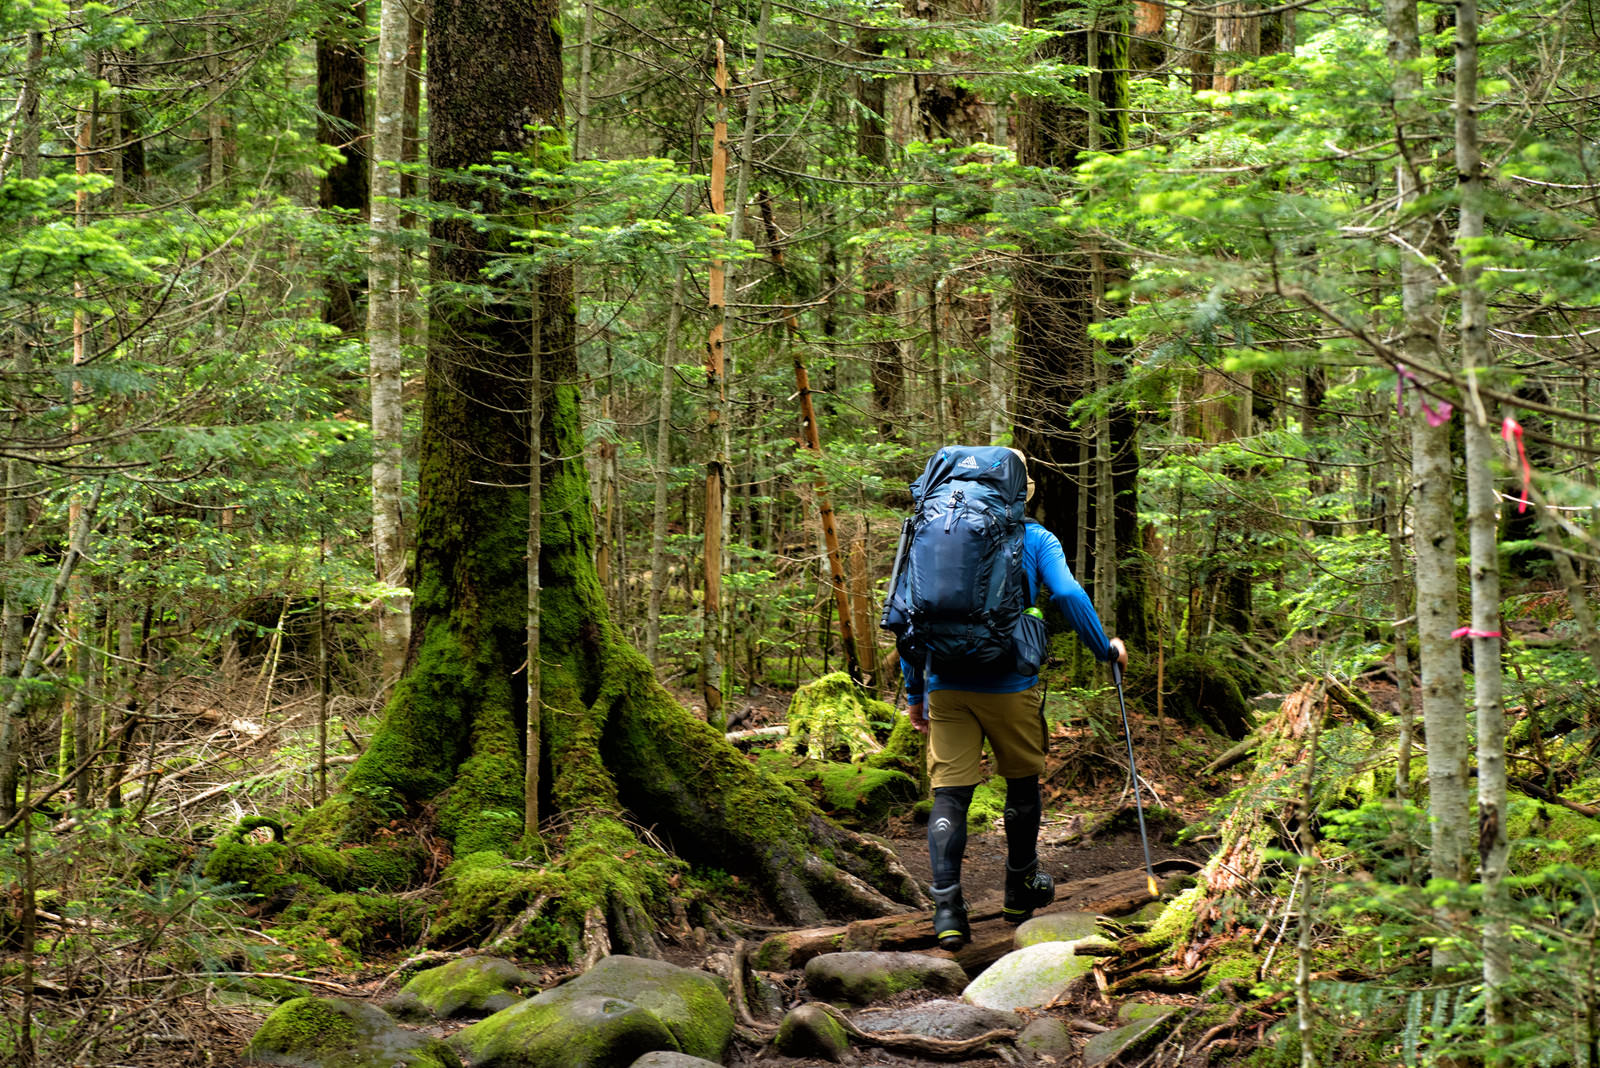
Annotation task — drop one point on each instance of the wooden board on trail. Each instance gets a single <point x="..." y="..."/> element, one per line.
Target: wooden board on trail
<point x="1116" y="894"/>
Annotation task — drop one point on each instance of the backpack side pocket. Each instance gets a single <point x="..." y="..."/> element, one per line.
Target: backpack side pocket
<point x="1030" y="639"/>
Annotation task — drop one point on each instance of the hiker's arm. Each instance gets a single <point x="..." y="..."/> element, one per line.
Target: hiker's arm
<point x="1069" y="598"/>
<point x="914" y="696"/>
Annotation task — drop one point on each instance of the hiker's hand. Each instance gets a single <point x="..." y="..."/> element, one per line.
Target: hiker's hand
<point x="1119" y="652"/>
<point x="918" y="717"/>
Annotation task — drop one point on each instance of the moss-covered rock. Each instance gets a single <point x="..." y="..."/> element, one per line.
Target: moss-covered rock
<point x="1028" y="978"/>
<point x="468" y="987"/>
<point x="286" y="871"/>
<point x="1055" y="927"/>
<point x="856" y="795"/>
<point x="340" y="1033"/>
<point x="564" y="1030"/>
<point x="1208" y="692"/>
<point x="690" y="1003"/>
<point x="862" y="978"/>
<point x="1046" y="1036"/>
<point x="811" y="1031"/>
<point x="1147" y="1025"/>
<point x="832" y="715"/>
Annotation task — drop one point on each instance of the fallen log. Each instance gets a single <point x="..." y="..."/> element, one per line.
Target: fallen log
<point x="1116" y="894"/>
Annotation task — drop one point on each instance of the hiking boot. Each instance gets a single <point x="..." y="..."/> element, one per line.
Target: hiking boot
<point x="950" y="925"/>
<point x="1026" y="890"/>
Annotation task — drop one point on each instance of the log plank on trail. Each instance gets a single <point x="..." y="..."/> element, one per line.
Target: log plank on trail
<point x="1116" y="894"/>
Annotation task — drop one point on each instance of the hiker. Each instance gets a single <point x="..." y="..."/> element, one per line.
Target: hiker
<point x="959" y="700"/>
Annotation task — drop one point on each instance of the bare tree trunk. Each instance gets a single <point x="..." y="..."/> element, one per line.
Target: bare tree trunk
<point x="1483" y="524"/>
<point x="1572" y="581"/>
<point x="77" y="710"/>
<point x="813" y="442"/>
<point x="13" y="620"/>
<point x="716" y="398"/>
<point x="580" y="131"/>
<point x="533" y="727"/>
<point x="385" y="334"/>
<point x="663" y="472"/>
<point x="1400" y="593"/>
<point x="1433" y="521"/>
<point x="218" y="149"/>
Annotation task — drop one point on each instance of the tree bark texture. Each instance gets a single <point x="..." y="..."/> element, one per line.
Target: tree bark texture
<point x="1483" y="526"/>
<point x="385" y="335"/>
<point x="342" y="125"/>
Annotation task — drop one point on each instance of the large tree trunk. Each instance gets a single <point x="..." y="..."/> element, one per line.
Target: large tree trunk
<point x="1056" y="301"/>
<point x="616" y="742"/>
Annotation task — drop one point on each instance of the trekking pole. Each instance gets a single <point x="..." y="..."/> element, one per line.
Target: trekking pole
<point x="1138" y="802"/>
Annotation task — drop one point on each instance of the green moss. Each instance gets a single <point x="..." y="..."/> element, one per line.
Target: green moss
<point x="338" y="1033"/>
<point x="267" y="869"/>
<point x="906" y="750"/>
<point x="1542" y="833"/>
<point x="365" y="922"/>
<point x="988" y="805"/>
<point x="1235" y="963"/>
<point x="308" y="1024"/>
<point x="831" y="715"/>
<point x="482" y="893"/>
<point x="1176" y="923"/>
<point x="578" y="1031"/>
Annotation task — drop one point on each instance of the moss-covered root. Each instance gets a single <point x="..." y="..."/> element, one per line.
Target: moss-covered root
<point x="714" y="808"/>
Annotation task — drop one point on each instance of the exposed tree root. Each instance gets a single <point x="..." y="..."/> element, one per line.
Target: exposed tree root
<point x="1187" y="980"/>
<point x="596" y="939"/>
<point x="907" y="1042"/>
<point x="507" y="938"/>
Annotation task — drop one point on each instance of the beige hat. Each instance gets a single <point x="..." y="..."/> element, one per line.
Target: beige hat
<point x="1024" y="458"/>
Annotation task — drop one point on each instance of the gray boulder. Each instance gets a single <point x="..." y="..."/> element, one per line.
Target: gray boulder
<point x="340" y="1033"/>
<point x="470" y="987"/>
<point x="1046" y="1037"/>
<point x="862" y="978"/>
<point x="664" y="1059"/>
<point x="608" y="1017"/>
<point x="1028" y="978"/>
<point x="939" y="1019"/>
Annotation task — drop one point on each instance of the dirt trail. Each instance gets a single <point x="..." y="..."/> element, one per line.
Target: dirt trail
<point x="1085" y="867"/>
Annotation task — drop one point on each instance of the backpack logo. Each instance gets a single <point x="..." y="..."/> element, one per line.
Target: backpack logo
<point x="968" y="462"/>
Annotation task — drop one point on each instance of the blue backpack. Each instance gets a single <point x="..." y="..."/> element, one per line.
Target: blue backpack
<point x="958" y="593"/>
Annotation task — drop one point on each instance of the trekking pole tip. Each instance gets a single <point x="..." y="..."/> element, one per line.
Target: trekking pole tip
<point x="1150" y="884"/>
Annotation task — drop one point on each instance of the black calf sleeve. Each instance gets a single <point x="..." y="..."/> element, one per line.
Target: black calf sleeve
<point x="947" y="832"/>
<point x="1022" y="821"/>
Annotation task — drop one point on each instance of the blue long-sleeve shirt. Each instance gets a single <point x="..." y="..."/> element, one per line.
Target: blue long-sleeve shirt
<point x="1042" y="558"/>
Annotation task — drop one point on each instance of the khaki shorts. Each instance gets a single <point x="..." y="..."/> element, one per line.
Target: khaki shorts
<point x="959" y="721"/>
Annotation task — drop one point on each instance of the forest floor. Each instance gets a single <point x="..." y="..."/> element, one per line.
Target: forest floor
<point x="1089" y="831"/>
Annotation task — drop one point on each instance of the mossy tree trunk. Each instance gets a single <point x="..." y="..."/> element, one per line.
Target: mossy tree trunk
<point x="616" y="744"/>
